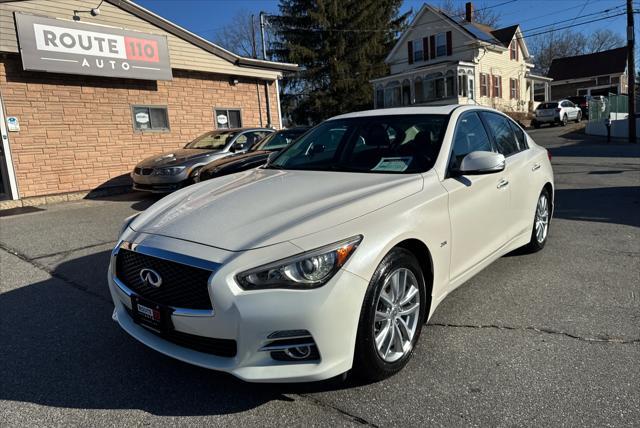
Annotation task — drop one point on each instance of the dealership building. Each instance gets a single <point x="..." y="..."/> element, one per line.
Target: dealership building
<point x="85" y="96"/>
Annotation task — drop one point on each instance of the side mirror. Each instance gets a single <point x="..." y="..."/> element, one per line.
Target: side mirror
<point x="238" y="147"/>
<point x="271" y="157"/>
<point x="477" y="163"/>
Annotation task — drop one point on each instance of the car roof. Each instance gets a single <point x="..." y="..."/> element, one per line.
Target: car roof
<point x="399" y="111"/>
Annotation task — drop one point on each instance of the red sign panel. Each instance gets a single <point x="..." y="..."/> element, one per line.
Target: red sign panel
<point x="141" y="49"/>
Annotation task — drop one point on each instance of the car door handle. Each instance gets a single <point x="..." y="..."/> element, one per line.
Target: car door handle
<point x="535" y="167"/>
<point x="502" y="183"/>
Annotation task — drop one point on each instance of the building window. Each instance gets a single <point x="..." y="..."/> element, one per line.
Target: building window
<point x="418" y="50"/>
<point x="602" y="80"/>
<point x="392" y="94"/>
<point x="450" y="83"/>
<point x="472" y="93"/>
<point x="418" y="89"/>
<point x="462" y="85"/>
<point x="441" y="44"/>
<point x="513" y="48"/>
<point x="406" y="93"/>
<point x="150" y="118"/>
<point x="484" y="85"/>
<point x="497" y="86"/>
<point x="379" y="96"/>
<point x="513" y="87"/>
<point x="228" y="118"/>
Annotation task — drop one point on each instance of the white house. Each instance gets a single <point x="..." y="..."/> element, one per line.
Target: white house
<point x="443" y="60"/>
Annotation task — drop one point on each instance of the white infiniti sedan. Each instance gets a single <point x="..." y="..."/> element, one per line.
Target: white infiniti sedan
<point x="333" y="256"/>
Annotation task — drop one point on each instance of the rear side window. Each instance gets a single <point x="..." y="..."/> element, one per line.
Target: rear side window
<point x="503" y="134"/>
<point x="521" y="138"/>
<point x="470" y="137"/>
<point x="545" y="106"/>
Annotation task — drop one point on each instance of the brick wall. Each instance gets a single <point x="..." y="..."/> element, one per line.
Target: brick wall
<point x="76" y="132"/>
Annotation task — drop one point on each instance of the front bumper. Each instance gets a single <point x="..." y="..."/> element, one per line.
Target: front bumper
<point x="329" y="313"/>
<point x="160" y="183"/>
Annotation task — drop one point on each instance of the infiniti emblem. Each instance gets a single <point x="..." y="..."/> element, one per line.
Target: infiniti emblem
<point x="150" y="277"/>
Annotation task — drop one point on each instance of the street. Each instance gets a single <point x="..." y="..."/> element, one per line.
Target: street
<point x="546" y="339"/>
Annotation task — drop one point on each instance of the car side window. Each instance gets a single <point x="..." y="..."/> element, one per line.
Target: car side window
<point x="503" y="135"/>
<point x="521" y="138"/>
<point x="470" y="136"/>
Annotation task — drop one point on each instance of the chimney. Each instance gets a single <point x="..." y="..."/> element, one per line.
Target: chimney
<point x="468" y="8"/>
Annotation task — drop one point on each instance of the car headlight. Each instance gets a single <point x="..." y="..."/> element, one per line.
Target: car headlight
<point x="127" y="222"/>
<point x="172" y="170"/>
<point x="304" y="271"/>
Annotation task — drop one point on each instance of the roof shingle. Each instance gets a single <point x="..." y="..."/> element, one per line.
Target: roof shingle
<point x="613" y="61"/>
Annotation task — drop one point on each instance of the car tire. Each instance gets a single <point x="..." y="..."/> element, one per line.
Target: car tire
<point x="579" y="117"/>
<point x="536" y="124"/>
<point x="193" y="175"/>
<point x="381" y="317"/>
<point x="541" y="223"/>
<point x="564" y="121"/>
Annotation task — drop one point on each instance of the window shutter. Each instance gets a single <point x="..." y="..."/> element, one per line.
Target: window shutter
<point x="425" y="48"/>
<point x="517" y="89"/>
<point x="517" y="49"/>
<point x="449" y="44"/>
<point x="491" y="86"/>
<point x="432" y="47"/>
<point x="499" y="83"/>
<point x="410" y="52"/>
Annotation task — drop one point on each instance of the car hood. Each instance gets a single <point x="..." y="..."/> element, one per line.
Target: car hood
<point x="261" y="207"/>
<point x="176" y="157"/>
<point x="242" y="157"/>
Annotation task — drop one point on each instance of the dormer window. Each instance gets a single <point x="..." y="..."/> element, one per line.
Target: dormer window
<point x="418" y="50"/>
<point x="513" y="48"/>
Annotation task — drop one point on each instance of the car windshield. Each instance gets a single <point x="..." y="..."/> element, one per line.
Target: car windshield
<point x="378" y="144"/>
<point x="278" y="140"/>
<point x="545" y="106"/>
<point x="215" y="140"/>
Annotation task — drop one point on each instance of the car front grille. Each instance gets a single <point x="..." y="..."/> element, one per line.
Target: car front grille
<point x="143" y="171"/>
<point x="182" y="286"/>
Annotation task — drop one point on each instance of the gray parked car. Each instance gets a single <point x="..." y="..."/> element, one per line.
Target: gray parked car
<point x="170" y="171"/>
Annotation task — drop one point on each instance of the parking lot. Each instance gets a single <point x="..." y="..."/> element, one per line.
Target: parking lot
<point x="546" y="339"/>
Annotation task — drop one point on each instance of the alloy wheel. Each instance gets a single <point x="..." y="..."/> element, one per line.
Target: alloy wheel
<point x="542" y="218"/>
<point x="397" y="315"/>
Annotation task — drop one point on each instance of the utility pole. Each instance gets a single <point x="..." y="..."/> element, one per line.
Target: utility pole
<point x="254" y="53"/>
<point x="264" y="57"/>
<point x="631" y="72"/>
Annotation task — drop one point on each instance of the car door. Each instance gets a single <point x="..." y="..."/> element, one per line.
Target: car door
<point x="510" y="141"/>
<point x="477" y="203"/>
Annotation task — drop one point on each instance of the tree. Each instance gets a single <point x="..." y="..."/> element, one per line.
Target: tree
<point x="238" y="36"/>
<point x="483" y="14"/>
<point x="340" y="46"/>
<point x="560" y="44"/>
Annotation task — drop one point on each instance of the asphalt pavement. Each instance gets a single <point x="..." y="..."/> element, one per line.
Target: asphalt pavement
<point x="539" y="340"/>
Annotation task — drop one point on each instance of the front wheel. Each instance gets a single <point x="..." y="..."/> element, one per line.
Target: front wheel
<point x="391" y="318"/>
<point x="579" y="117"/>
<point x="541" y="222"/>
<point x="536" y="124"/>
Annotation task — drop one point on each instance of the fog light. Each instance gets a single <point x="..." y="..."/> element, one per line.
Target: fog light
<point x="299" y="352"/>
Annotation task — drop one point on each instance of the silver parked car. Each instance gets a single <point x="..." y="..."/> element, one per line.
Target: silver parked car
<point x="170" y="171"/>
<point x="556" y="112"/>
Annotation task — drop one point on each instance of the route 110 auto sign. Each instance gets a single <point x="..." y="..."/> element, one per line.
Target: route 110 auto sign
<point x="61" y="46"/>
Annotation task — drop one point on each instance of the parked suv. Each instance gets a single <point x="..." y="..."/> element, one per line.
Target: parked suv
<point x="557" y="112"/>
<point x="582" y="102"/>
<point x="170" y="171"/>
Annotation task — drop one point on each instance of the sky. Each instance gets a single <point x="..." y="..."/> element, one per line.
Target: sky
<point x="206" y="17"/>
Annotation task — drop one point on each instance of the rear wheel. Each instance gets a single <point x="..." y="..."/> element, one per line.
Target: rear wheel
<point x="565" y="120"/>
<point x="541" y="222"/>
<point x="392" y="316"/>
